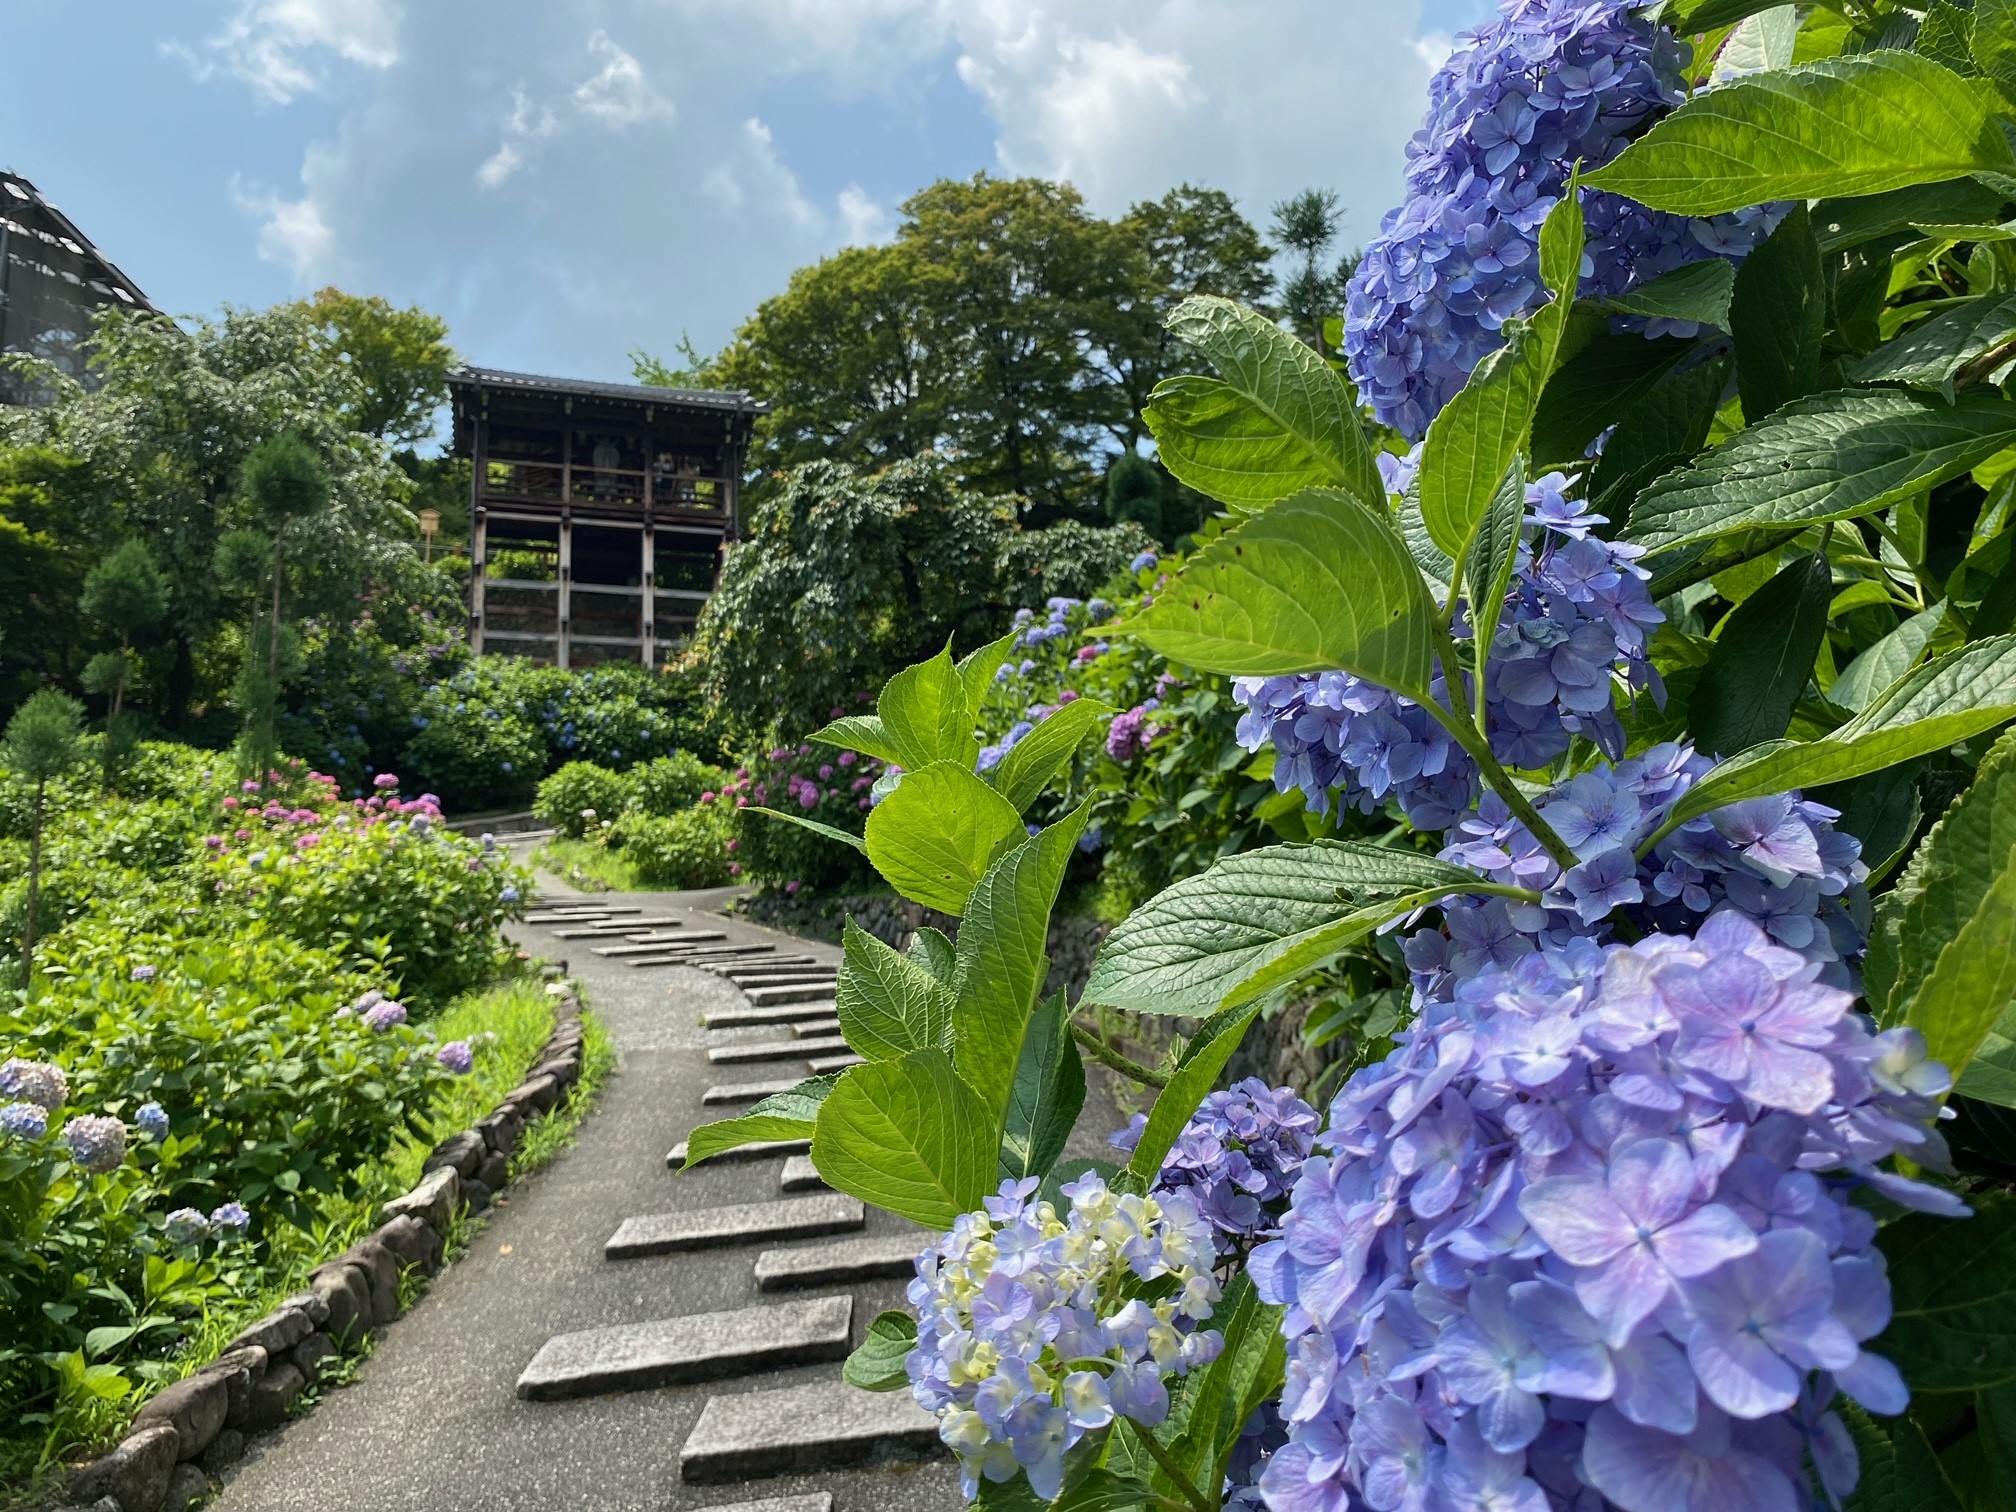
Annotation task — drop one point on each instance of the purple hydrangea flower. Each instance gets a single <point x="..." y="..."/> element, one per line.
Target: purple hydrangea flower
<point x="1237" y="1157"/>
<point x="142" y="974"/>
<point x="24" y="1120"/>
<point x="1589" y="1225"/>
<point x="456" y="1057"/>
<point x="1521" y="100"/>
<point x="384" y="1015"/>
<point x="233" y="1216"/>
<point x="1015" y="1305"/>
<point x="1129" y="734"/>
<point x="37" y="1082"/>
<point x="97" y="1145"/>
<point x="151" y="1119"/>
<point x="186" y="1226"/>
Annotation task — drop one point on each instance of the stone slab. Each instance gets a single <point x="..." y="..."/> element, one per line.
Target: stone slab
<point x="818" y="1501"/>
<point x="761" y="1149"/>
<point x="839" y="1263"/>
<point x="817" y="1028"/>
<point x="729" y="1093"/>
<point x="567" y="916"/>
<point x="775" y="1050"/>
<point x="803" y="1428"/>
<point x="748" y="979"/>
<point x="631" y="947"/>
<point x="610" y="930"/>
<point x="743" y="1018"/>
<point x="826" y="1065"/>
<point x="770" y="997"/>
<point x="698" y="1347"/>
<point x="705" y="1228"/>
<point x="800" y="1175"/>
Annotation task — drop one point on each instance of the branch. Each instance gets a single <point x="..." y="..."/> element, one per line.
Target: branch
<point x="1107" y="1056"/>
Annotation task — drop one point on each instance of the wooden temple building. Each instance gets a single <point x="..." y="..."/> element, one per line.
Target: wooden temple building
<point x="599" y="511"/>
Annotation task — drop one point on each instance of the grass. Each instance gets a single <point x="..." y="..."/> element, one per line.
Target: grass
<point x="585" y="865"/>
<point x="507" y="1026"/>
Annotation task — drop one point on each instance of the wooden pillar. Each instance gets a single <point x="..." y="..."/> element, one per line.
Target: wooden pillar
<point x="479" y="532"/>
<point x="649" y="562"/>
<point x="566" y="594"/>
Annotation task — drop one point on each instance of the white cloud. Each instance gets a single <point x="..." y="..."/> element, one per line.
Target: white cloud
<point x="271" y="45"/>
<point x="619" y="95"/>
<point x="528" y="122"/>
<point x="500" y="165"/>
<point x="750" y="178"/>
<point x="293" y="233"/>
<point x="862" y="221"/>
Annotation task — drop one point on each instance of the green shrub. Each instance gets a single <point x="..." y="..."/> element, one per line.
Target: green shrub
<point x="472" y="751"/>
<point x="666" y="785"/>
<point x="686" y="849"/>
<point x="580" y="796"/>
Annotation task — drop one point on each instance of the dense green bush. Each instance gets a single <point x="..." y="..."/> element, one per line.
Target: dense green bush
<point x="667" y="784"/>
<point x="686" y="849"/>
<point x="810" y="781"/>
<point x="580" y="797"/>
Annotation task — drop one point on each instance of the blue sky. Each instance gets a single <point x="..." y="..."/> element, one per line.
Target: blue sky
<point x="567" y="179"/>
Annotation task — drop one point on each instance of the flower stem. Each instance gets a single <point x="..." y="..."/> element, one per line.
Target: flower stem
<point x="1174" y="1471"/>
<point x="1107" y="1056"/>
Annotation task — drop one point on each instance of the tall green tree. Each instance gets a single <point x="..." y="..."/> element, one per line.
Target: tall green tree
<point x="45" y="548"/>
<point x="1305" y="226"/>
<point x="398" y="359"/>
<point x="285" y="492"/>
<point x="40" y="745"/>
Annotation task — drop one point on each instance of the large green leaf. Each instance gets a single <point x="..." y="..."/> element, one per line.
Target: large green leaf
<point x="1948" y="875"/>
<point x="1195" y="944"/>
<point x="1692" y="17"/>
<point x="926" y="712"/>
<point x="1842" y="126"/>
<point x="1034" y="760"/>
<point x="937" y="832"/>
<point x="1972" y="980"/>
<point x="1696" y="291"/>
<point x="977" y="669"/>
<point x="1319" y="581"/>
<point x="1946" y="37"/>
<point x="1829" y="457"/>
<point x="877" y="1362"/>
<point x="1596" y="386"/>
<point x="1991" y="39"/>
<point x="1931" y="354"/>
<point x="1763" y="659"/>
<point x="1049" y="1091"/>
<point x="1001" y="962"/>
<point x="864" y="733"/>
<point x="1192" y="1080"/>
<point x="908" y="1136"/>
<point x="1278" y="419"/>
<point x="1899" y="1470"/>
<point x="1945" y="701"/>
<point x="1844" y="223"/>
<point x="1777" y="316"/>
<point x="888" y="1004"/>
<point x="1474" y="438"/>
<point x="1953" y="1297"/>
<point x="1659" y="433"/>
<point x="1221" y="1397"/>
<point x="1886" y="661"/>
<point x="782" y="1115"/>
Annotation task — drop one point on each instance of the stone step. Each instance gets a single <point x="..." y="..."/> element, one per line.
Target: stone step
<point x="824" y="980"/>
<point x="593" y="932"/>
<point x="772" y="1050"/>
<point x="874" y="1257"/>
<point x="639" y="947"/>
<point x="728" y="1093"/>
<point x="768" y="973"/>
<point x="743" y="1018"/>
<point x="799" y="1175"/>
<point x="759" y="1150"/>
<point x="781" y="962"/>
<point x="822" y="1426"/>
<point x="706" y="1228"/>
<point x="817" y="1028"/>
<point x="704" y="947"/>
<point x="771" y="997"/>
<point x="699" y="1347"/>
<point x="566" y="918"/>
<point x="826" y="1065"/>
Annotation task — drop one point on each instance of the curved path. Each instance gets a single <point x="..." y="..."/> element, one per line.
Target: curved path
<point x="435" y="1420"/>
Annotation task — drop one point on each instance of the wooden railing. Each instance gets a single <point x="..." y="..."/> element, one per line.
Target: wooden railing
<point x="608" y="487"/>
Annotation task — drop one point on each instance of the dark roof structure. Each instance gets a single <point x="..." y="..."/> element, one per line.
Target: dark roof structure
<point x="53" y="280"/>
<point x="467" y="382"/>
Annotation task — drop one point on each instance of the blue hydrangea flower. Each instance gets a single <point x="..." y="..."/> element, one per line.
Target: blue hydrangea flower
<point x="1518" y="103"/>
<point x="384" y="1015"/>
<point x="456" y="1057"/>
<point x="151" y="1119"/>
<point x="1236" y="1157"/>
<point x="1034" y="1329"/>
<point x="1589" y="1226"/>
<point x="186" y="1226"/>
<point x="1145" y="562"/>
<point x="233" y="1216"/>
<point x="97" y="1145"/>
<point x="24" y="1120"/>
<point x="36" y="1082"/>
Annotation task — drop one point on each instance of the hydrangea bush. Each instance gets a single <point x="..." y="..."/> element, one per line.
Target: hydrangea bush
<point x="1684" y="1184"/>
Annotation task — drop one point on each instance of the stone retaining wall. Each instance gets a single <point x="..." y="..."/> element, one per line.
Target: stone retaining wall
<point x="195" y="1428"/>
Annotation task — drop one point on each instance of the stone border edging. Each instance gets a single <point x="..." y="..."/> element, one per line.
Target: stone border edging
<point x="194" y="1429"/>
